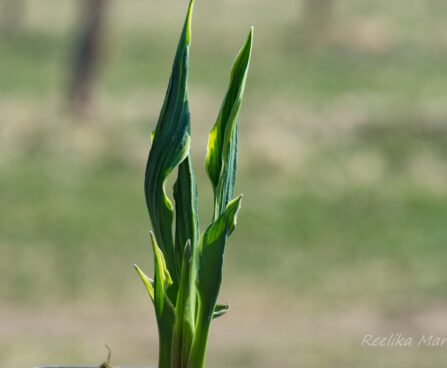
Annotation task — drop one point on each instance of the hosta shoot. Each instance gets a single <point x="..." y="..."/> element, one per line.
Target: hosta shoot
<point x="188" y="262"/>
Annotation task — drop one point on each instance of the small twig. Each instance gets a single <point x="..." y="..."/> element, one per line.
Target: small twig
<point x="107" y="364"/>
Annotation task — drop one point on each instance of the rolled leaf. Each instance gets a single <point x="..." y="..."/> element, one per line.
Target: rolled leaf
<point x="162" y="279"/>
<point x="186" y="231"/>
<point x="186" y="210"/>
<point x="221" y="158"/>
<point x="183" y="329"/>
<point x="171" y="144"/>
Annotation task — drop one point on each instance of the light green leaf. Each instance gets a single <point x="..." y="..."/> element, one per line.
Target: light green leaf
<point x="221" y="158"/>
<point x="164" y="308"/>
<point x="162" y="279"/>
<point x="148" y="282"/>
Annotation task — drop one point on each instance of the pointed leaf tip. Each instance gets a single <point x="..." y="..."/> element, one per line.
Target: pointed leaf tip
<point x="250" y="34"/>
<point x="233" y="209"/>
<point x="148" y="282"/>
<point x="220" y="310"/>
<point x="160" y="262"/>
<point x="188" y="22"/>
<point x="188" y="247"/>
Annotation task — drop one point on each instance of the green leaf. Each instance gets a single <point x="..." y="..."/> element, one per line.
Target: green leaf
<point x="148" y="282"/>
<point x="220" y="310"/>
<point x="186" y="232"/>
<point x="157" y="288"/>
<point x="162" y="279"/>
<point x="211" y="256"/>
<point x="186" y="209"/>
<point x="164" y="308"/>
<point x="171" y="145"/>
<point x="183" y="329"/>
<point x="221" y="158"/>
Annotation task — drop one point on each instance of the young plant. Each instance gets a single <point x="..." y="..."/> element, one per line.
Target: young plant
<point x="188" y="264"/>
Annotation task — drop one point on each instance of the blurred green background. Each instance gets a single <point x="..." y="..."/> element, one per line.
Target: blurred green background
<point x="343" y="163"/>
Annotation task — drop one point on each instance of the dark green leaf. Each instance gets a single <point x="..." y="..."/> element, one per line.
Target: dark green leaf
<point x="171" y="144"/>
<point x="220" y="310"/>
<point x="187" y="217"/>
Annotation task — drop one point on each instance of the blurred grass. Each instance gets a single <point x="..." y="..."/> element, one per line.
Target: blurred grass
<point x="343" y="164"/>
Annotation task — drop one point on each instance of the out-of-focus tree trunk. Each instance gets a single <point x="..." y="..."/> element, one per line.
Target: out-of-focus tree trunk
<point x="87" y="53"/>
<point x="11" y="14"/>
<point x="318" y="20"/>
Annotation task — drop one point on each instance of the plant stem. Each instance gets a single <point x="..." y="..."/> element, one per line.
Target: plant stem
<point x="165" y="330"/>
<point x="198" y="351"/>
